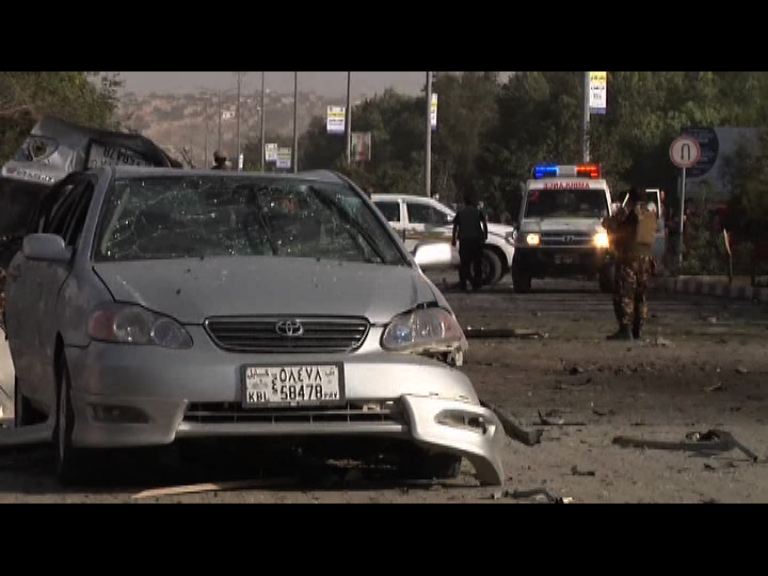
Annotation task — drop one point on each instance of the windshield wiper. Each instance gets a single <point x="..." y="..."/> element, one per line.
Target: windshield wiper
<point x="348" y="219"/>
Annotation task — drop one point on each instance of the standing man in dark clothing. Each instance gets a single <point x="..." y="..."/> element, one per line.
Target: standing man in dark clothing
<point x="472" y="229"/>
<point x="632" y="230"/>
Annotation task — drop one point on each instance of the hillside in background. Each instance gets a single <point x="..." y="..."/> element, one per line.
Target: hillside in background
<point x="177" y="122"/>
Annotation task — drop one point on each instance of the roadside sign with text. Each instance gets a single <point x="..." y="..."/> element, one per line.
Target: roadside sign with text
<point x="598" y="92"/>
<point x="270" y="152"/>
<point x="361" y="146"/>
<point x="336" y="119"/>
<point x="284" y="158"/>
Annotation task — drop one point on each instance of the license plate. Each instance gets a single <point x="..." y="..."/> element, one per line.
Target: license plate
<point x="564" y="259"/>
<point x="294" y="385"/>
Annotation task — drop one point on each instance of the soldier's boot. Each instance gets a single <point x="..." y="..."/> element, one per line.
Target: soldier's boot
<point x="623" y="333"/>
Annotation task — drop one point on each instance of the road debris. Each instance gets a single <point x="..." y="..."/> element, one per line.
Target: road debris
<point x="575" y="370"/>
<point x="212" y="487"/>
<point x="539" y="494"/>
<point x="711" y="441"/>
<point x="483" y="332"/>
<point x="741" y="370"/>
<point x="553" y="418"/>
<point x="513" y="428"/>
<point x="576" y="472"/>
<point x="716" y="388"/>
<point x="599" y="412"/>
<point x="659" y="341"/>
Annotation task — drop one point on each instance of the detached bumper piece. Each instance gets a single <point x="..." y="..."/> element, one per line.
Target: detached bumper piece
<point x="470" y="430"/>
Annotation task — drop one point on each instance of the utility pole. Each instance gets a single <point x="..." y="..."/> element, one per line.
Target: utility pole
<point x="220" y="111"/>
<point x="585" y="123"/>
<point x="237" y="114"/>
<point x="205" y="138"/>
<point x="295" y="122"/>
<point x="349" y="119"/>
<point x="428" y="155"/>
<point x="263" y="118"/>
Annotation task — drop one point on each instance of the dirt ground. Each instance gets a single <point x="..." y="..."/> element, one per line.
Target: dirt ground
<point x="702" y="365"/>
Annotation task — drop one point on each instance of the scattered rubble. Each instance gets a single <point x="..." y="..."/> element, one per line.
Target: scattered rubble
<point x="711" y="441"/>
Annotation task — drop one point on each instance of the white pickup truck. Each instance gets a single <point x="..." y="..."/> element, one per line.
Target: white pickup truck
<point x="418" y="219"/>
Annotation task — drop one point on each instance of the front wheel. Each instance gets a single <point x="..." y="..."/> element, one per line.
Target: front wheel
<point x="68" y="458"/>
<point x="491" y="267"/>
<point x="417" y="464"/>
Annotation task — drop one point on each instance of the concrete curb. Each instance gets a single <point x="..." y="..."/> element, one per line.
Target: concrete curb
<point x="712" y="287"/>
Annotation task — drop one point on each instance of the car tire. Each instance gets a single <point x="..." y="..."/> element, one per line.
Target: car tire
<point x="69" y="460"/>
<point x="22" y="409"/>
<point x="521" y="281"/>
<point x="491" y="268"/>
<point x="607" y="279"/>
<point x="421" y="465"/>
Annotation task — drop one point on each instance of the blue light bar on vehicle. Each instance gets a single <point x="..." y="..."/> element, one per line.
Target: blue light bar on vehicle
<point x="545" y="171"/>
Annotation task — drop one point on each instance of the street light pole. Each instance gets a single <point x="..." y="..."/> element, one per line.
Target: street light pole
<point x="585" y="122"/>
<point x="237" y="114"/>
<point x="295" y="122"/>
<point x="219" y="144"/>
<point x="349" y="119"/>
<point x="263" y="118"/>
<point x="428" y="155"/>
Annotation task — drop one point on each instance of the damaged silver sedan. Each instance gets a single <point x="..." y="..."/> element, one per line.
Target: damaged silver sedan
<point x="153" y="305"/>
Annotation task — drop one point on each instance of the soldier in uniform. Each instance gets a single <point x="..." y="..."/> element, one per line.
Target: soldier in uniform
<point x="632" y="229"/>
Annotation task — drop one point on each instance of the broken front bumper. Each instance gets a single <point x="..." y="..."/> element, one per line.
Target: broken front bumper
<point x="150" y="396"/>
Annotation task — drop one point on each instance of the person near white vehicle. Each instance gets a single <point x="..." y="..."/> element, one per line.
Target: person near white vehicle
<point x="471" y="228"/>
<point x="418" y="219"/>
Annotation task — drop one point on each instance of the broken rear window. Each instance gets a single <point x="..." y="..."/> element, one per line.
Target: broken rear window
<point x="201" y="216"/>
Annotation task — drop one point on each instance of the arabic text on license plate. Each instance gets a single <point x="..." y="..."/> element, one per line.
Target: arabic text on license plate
<point x="292" y="385"/>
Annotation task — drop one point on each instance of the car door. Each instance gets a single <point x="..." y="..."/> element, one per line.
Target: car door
<point x="425" y="223"/>
<point x="66" y="220"/>
<point x="68" y="223"/>
<point x="392" y="211"/>
<point x="23" y="292"/>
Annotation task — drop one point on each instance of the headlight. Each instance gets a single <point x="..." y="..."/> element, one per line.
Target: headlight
<point x="424" y="328"/>
<point x="131" y="324"/>
<point x="600" y="240"/>
<point x="533" y="239"/>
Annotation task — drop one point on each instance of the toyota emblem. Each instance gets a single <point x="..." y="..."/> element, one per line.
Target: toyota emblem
<point x="290" y="328"/>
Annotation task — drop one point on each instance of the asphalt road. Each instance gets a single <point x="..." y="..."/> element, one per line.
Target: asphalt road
<point x="701" y="365"/>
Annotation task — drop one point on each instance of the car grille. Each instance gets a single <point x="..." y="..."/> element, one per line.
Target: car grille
<point x="260" y="334"/>
<point x="233" y="412"/>
<point x="562" y="239"/>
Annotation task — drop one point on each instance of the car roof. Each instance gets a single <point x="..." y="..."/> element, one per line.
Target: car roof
<point x="401" y="197"/>
<point x="145" y="171"/>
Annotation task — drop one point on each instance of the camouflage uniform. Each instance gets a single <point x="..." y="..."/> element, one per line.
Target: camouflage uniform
<point x="634" y="267"/>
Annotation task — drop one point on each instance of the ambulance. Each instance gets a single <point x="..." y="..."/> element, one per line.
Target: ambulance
<point x="559" y="230"/>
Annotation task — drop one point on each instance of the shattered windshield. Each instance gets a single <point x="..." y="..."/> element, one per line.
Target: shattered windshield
<point x="566" y="203"/>
<point x="201" y="216"/>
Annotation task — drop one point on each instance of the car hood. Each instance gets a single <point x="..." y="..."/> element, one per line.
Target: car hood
<point x="191" y="290"/>
<point x="499" y="229"/>
<point x="585" y="225"/>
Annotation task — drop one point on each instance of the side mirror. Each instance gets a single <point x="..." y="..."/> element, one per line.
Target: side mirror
<point x="436" y="255"/>
<point x="46" y="248"/>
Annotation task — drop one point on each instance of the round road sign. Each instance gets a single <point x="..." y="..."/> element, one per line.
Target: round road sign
<point x="685" y="152"/>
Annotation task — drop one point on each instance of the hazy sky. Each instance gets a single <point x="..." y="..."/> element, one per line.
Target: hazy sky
<point x="324" y="83"/>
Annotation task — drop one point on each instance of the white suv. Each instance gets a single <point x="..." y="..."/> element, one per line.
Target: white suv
<point x="418" y="219"/>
